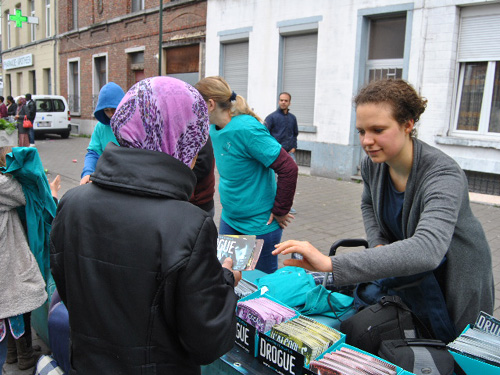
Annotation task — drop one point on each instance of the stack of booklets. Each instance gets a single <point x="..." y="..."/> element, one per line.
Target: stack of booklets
<point x="348" y="361"/>
<point x="242" y="249"/>
<point x="244" y="288"/>
<point x="305" y="336"/>
<point x="481" y="342"/>
<point x="263" y="313"/>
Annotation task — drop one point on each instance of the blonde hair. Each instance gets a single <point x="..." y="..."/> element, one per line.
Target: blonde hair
<point x="217" y="89"/>
<point x="3" y="155"/>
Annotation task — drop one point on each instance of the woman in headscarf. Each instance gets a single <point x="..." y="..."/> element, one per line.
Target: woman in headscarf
<point x="135" y="262"/>
<point x="21" y="131"/>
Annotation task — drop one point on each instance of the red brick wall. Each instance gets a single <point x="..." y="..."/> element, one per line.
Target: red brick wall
<point x="113" y="39"/>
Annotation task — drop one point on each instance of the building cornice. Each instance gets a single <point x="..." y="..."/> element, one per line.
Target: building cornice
<point x="128" y="18"/>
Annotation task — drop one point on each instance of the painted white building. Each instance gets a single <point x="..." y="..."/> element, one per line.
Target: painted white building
<point x="324" y="51"/>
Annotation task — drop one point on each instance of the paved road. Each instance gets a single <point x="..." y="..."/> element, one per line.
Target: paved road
<point x="328" y="209"/>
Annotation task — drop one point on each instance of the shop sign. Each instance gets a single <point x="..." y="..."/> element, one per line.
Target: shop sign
<point x="245" y="336"/>
<point x="18" y="62"/>
<point x="281" y="359"/>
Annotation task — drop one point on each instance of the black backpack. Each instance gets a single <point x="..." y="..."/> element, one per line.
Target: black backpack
<point x="389" y="319"/>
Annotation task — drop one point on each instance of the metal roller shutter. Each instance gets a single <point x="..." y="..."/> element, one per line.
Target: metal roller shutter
<point x="479" y="38"/>
<point x="299" y="74"/>
<point x="235" y="67"/>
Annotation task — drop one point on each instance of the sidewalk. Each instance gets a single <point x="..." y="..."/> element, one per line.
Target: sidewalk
<point x="327" y="209"/>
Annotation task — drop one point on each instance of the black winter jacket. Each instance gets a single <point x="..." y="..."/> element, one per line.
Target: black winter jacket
<point x="135" y="263"/>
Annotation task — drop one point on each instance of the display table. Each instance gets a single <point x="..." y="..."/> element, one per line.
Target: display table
<point x="238" y="361"/>
<point x="235" y="362"/>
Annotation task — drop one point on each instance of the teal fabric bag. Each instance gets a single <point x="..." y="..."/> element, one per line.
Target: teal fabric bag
<point x="288" y="285"/>
<point x="321" y="301"/>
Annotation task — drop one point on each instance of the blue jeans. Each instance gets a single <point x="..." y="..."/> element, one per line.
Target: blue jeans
<point x="267" y="262"/>
<point x="31" y="135"/>
<point x="3" y="351"/>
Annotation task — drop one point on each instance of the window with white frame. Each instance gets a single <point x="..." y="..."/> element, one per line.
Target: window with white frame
<point x="74" y="13"/>
<point x="74" y="86"/>
<point x="100" y="77"/>
<point x="478" y="95"/>
<point x="7" y="27"/>
<point x="386" y="44"/>
<point x="137" y="5"/>
<point x="47" y="19"/>
<point x="33" y="26"/>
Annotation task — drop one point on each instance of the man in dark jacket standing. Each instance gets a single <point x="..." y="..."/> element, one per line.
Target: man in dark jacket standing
<point x="31" y="109"/>
<point x="282" y="125"/>
<point x="134" y="262"/>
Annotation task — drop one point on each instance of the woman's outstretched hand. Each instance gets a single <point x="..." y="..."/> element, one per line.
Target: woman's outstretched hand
<point x="313" y="259"/>
<point x="55" y="186"/>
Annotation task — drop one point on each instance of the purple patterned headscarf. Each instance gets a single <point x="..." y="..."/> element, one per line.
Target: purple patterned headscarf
<point x="162" y="114"/>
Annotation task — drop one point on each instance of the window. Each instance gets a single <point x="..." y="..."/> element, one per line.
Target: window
<point x="137" y="5"/>
<point x="478" y="95"/>
<point x="235" y="66"/>
<point x="19" y="81"/>
<point x="136" y="66"/>
<point x="184" y="63"/>
<point x="47" y="79"/>
<point x="17" y="30"/>
<point x="47" y="19"/>
<point x="33" y="26"/>
<point x="74" y="86"/>
<point x="74" y="13"/>
<point x="299" y="74"/>
<point x="386" y="44"/>
<point x="7" y="27"/>
<point x="32" y="81"/>
<point x="100" y="77"/>
<point x="7" y="84"/>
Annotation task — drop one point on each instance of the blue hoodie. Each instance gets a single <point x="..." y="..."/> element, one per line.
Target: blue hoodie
<point x="109" y="97"/>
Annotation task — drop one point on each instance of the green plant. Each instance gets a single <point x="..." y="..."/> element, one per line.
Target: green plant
<point x="9" y="127"/>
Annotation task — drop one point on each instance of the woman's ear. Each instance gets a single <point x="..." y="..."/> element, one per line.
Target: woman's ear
<point x="410" y="124"/>
<point x="211" y="105"/>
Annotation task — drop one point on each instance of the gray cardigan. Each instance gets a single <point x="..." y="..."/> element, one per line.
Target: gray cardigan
<point x="437" y="221"/>
<point x="23" y="288"/>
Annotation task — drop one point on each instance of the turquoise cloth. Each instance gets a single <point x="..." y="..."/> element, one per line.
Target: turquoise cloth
<point x="317" y="303"/>
<point x="101" y="136"/>
<point x="289" y="285"/>
<point x="25" y="165"/>
<point x="244" y="149"/>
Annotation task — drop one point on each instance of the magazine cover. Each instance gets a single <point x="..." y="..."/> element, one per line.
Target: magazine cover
<point x="244" y="250"/>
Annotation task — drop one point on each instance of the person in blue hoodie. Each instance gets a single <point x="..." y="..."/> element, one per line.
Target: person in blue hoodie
<point x="109" y="97"/>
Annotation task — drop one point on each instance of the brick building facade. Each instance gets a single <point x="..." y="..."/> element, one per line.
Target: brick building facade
<point x="118" y="41"/>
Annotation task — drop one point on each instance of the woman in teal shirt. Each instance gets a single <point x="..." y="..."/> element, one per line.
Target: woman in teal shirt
<point x="247" y="158"/>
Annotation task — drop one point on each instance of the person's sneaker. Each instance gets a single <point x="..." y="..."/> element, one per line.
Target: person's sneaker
<point x="293" y="211"/>
<point x="32" y="145"/>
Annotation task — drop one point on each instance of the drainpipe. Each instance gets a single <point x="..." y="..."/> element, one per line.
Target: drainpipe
<point x="160" y="38"/>
<point x="56" y="86"/>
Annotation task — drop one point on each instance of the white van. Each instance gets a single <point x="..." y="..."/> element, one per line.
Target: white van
<point x="52" y="115"/>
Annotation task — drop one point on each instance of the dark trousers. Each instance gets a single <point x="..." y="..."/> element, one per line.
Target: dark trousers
<point x="31" y="135"/>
